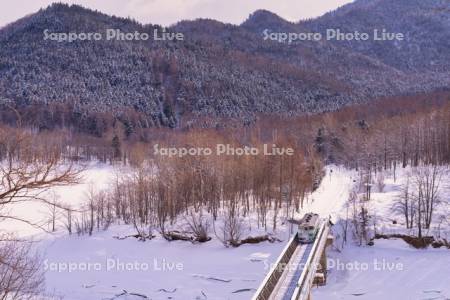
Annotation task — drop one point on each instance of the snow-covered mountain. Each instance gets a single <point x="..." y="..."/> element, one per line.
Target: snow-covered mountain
<point x="218" y="70"/>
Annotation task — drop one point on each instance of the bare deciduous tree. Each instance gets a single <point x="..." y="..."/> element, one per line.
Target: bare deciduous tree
<point x="21" y="273"/>
<point x="405" y="203"/>
<point x="420" y="195"/>
<point x="199" y="225"/>
<point x="26" y="173"/>
<point x="232" y="229"/>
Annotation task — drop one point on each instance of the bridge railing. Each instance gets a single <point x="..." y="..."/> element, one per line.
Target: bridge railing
<point x="270" y="281"/>
<point x="307" y="277"/>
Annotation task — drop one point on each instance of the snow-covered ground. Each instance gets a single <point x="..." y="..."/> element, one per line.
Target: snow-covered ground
<point x="390" y="222"/>
<point x="330" y="198"/>
<point x="157" y="268"/>
<point x="103" y="267"/>
<point x="96" y="175"/>
<point x="391" y="269"/>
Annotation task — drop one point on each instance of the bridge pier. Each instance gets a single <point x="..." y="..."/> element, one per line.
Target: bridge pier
<point x="321" y="274"/>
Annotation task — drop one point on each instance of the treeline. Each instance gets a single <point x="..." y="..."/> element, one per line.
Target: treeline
<point x="401" y="130"/>
<point x="158" y="189"/>
<point x="384" y="134"/>
<point x="419" y="134"/>
<point x="202" y="190"/>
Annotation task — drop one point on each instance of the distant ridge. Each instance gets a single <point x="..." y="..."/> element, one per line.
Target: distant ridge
<point x="221" y="71"/>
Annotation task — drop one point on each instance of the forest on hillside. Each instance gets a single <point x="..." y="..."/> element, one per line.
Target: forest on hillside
<point x="220" y="71"/>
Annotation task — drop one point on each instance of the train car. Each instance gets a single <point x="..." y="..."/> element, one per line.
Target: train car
<point x="308" y="228"/>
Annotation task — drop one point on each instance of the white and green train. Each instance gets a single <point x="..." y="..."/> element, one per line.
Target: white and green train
<point x="308" y="228"/>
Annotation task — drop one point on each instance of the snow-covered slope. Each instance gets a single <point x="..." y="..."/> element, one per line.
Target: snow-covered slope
<point x="330" y="198"/>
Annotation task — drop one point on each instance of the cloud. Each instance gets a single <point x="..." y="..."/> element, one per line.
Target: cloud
<point x="167" y="12"/>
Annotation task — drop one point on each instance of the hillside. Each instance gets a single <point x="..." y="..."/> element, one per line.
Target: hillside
<point x="425" y="24"/>
<point x="219" y="71"/>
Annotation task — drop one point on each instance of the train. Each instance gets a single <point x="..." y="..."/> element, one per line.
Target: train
<point x="308" y="227"/>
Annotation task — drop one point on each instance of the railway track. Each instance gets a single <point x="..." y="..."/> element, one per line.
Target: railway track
<point x="295" y="270"/>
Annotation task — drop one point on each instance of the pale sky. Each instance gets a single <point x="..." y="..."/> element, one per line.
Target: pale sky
<point x="167" y="12"/>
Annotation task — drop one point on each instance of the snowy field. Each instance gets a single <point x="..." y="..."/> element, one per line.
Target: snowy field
<point x="95" y="175"/>
<point x="103" y="267"/>
<point x="157" y="268"/>
<point x="390" y="270"/>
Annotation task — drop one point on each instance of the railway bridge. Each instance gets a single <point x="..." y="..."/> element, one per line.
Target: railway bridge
<point x="297" y="269"/>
